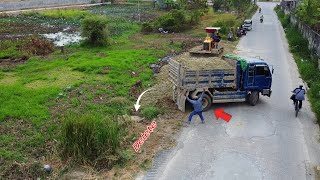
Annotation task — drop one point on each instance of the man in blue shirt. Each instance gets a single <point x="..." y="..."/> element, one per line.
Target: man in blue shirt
<point x="197" y="107"/>
<point x="298" y="95"/>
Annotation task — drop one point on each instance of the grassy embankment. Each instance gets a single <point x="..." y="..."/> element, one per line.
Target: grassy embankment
<point x="308" y="67"/>
<point x="47" y="95"/>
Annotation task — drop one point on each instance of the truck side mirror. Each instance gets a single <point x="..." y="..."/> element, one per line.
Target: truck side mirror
<point x="272" y="70"/>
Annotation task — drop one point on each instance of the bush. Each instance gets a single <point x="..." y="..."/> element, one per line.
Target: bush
<point x="150" y="112"/>
<point x="195" y="17"/>
<point x="95" y="30"/>
<point x="174" y="21"/>
<point x="37" y="46"/>
<point x="90" y="138"/>
<point x="224" y="28"/>
<point x="146" y="27"/>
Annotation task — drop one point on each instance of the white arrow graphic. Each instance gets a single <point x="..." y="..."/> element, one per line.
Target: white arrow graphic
<point x="137" y="106"/>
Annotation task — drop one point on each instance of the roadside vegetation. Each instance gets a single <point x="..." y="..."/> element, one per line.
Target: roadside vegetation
<point x="308" y="66"/>
<point x="72" y="108"/>
<point x="309" y="12"/>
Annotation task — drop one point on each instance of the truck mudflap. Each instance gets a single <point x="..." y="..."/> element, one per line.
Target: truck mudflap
<point x="266" y="92"/>
<point x="179" y="96"/>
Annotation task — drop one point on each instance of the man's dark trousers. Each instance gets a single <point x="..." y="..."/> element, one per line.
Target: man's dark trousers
<point x="195" y="113"/>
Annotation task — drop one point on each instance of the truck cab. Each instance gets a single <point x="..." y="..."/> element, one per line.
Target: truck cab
<point x="258" y="76"/>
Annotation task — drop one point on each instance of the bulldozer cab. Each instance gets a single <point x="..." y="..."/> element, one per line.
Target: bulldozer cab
<point x="208" y="43"/>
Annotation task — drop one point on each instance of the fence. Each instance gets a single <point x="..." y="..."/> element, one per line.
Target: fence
<point x="312" y="36"/>
<point x="18" y="5"/>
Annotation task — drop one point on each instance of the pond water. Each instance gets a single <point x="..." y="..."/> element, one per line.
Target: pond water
<point x="63" y="38"/>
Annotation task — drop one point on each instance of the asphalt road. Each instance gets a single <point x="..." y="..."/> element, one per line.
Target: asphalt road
<point x="266" y="141"/>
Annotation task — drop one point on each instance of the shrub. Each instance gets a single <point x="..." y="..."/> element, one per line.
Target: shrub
<point x="150" y="112"/>
<point x="95" y="30"/>
<point x="224" y="28"/>
<point x="195" y="17"/>
<point x="90" y="138"/>
<point x="146" y="27"/>
<point x="174" y="21"/>
<point x="37" y="46"/>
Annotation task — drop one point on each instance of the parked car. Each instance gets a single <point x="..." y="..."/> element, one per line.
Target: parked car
<point x="247" y="24"/>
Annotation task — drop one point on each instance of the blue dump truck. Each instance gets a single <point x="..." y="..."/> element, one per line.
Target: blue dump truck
<point x="245" y="81"/>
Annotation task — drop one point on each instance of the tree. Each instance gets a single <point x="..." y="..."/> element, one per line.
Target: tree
<point x="309" y="12"/>
<point x="217" y="4"/>
<point x="240" y="5"/>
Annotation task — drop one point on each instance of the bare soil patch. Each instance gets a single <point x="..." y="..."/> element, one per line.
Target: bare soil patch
<point x="13" y="62"/>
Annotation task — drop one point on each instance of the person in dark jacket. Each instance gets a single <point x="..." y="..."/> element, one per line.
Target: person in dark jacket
<point x="298" y="95"/>
<point x="197" y="107"/>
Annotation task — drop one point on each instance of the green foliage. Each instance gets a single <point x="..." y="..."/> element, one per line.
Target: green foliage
<point x="309" y="12"/>
<point x="65" y="14"/>
<point x="225" y="26"/>
<point x="217" y="4"/>
<point x="88" y="137"/>
<point x="195" y="17"/>
<point x="150" y="112"/>
<point x="95" y="30"/>
<point x="222" y="25"/>
<point x="174" y="21"/>
<point x="19" y="102"/>
<point x="10" y="49"/>
<point x="33" y="45"/>
<point x="240" y="5"/>
<point x="147" y="27"/>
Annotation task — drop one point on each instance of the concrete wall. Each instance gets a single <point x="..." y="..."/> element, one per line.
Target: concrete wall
<point x="18" y="5"/>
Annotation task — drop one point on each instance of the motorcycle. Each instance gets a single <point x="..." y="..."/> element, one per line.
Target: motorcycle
<point x="261" y="20"/>
<point x="241" y="32"/>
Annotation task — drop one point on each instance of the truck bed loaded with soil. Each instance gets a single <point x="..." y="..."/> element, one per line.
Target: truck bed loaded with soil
<point x="227" y="79"/>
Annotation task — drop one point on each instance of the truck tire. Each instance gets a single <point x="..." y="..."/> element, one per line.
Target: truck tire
<point x="206" y="102"/>
<point x="253" y="98"/>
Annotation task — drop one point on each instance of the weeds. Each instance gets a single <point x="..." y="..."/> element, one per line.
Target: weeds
<point x="88" y="137"/>
<point x="150" y="112"/>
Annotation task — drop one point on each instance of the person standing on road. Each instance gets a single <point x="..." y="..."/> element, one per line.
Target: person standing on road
<point x="197" y="107"/>
<point x="298" y="95"/>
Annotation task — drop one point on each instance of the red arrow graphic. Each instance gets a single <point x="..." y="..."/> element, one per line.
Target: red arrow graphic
<point x="221" y="114"/>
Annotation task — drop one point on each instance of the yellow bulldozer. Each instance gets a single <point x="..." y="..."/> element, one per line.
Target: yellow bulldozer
<point x="210" y="45"/>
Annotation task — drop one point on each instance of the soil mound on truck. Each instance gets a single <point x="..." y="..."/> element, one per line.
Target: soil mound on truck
<point x="202" y="63"/>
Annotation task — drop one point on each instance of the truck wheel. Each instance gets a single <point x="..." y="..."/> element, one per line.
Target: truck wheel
<point x="206" y="102"/>
<point x="253" y="98"/>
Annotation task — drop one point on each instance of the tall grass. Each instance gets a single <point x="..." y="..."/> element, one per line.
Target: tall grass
<point x="308" y="67"/>
<point x="88" y="137"/>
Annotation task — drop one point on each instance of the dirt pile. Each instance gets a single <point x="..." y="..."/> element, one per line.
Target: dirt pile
<point x="200" y="63"/>
<point x="161" y="90"/>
